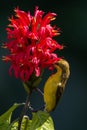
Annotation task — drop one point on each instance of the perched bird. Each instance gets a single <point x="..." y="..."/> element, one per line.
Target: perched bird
<point x="55" y="84"/>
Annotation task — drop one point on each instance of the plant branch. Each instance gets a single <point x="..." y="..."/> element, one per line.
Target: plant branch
<point x="38" y="90"/>
<point x="24" y="111"/>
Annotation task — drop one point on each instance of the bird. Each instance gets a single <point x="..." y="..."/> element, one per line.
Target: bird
<point x="55" y="85"/>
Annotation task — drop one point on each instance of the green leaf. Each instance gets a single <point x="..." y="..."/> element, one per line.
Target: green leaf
<point x="40" y="121"/>
<point x="13" y="126"/>
<point x="5" y="119"/>
<point x="26" y="123"/>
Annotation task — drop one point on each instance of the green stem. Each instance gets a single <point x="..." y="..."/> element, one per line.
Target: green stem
<point x="24" y="111"/>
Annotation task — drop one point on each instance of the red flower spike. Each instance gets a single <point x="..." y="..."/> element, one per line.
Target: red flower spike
<point x="30" y="43"/>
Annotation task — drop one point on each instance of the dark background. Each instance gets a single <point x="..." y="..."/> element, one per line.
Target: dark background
<point x="71" y="112"/>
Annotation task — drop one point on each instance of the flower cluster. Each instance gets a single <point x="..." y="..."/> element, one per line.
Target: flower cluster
<point x="30" y="43"/>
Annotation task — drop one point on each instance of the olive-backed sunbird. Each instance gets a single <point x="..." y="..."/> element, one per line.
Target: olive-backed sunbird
<point x="55" y="84"/>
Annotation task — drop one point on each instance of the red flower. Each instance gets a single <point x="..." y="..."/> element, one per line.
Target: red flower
<point x="30" y="43"/>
